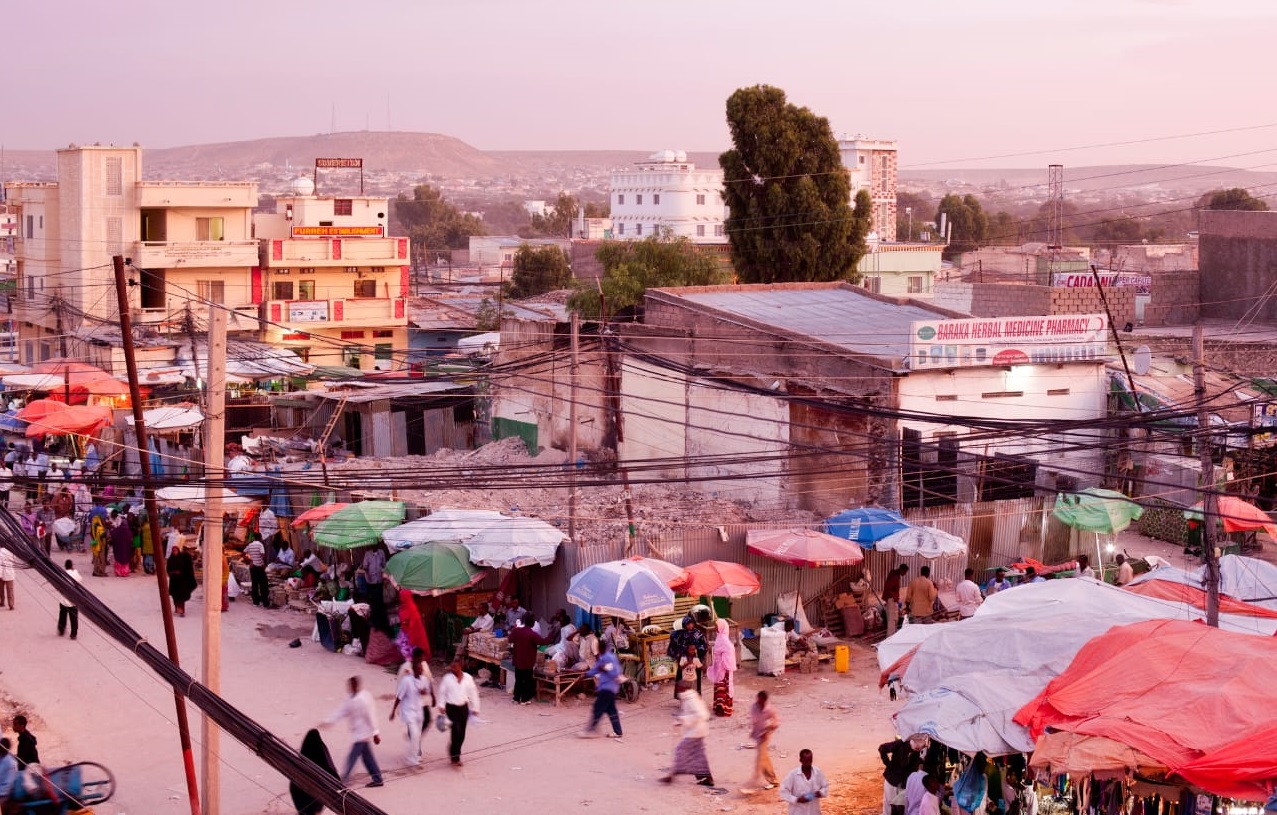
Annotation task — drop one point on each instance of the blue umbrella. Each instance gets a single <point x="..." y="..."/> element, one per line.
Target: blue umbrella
<point x="10" y="422"/>
<point x="865" y="525"/>
<point x="621" y="588"/>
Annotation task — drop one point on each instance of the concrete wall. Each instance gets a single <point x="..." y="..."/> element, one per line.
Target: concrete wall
<point x="1174" y="298"/>
<point x="1238" y="264"/>
<point x="1009" y="300"/>
<point x="1121" y="303"/>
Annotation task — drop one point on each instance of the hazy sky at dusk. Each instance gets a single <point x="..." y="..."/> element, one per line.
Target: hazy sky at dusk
<point x="951" y="80"/>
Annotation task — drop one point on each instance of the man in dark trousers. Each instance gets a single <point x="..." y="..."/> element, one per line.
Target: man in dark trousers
<point x="27" y="751"/>
<point x="898" y="761"/>
<point x="458" y="698"/>
<point x="523" y="652"/>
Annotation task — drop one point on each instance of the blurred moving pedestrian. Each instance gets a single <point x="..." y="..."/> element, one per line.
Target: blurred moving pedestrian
<point x="360" y="712"/>
<point x="313" y="748"/>
<point x="690" y="757"/>
<point x="458" y="698"/>
<point x="763" y="723"/>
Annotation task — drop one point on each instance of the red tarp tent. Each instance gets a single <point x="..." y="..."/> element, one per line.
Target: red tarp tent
<point x="80" y="420"/>
<point x="1177" y="691"/>
<point x="1181" y="593"/>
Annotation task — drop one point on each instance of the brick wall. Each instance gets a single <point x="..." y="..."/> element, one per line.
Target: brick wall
<point x="992" y="299"/>
<point x="1174" y="298"/>
<point x="1121" y="303"/>
<point x="1238" y="263"/>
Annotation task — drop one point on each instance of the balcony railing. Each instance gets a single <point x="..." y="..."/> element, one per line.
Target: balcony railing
<point x="390" y="252"/>
<point x="368" y="312"/>
<point x="194" y="254"/>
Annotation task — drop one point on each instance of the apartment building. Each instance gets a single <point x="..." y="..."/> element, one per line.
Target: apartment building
<point x="187" y="243"/>
<point x="872" y="164"/>
<point x="335" y="284"/>
<point x="667" y="193"/>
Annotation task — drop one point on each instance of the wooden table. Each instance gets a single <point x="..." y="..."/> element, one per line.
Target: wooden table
<point x="493" y="661"/>
<point x="559" y="683"/>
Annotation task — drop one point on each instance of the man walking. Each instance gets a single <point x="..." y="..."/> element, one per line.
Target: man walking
<point x="763" y="724"/>
<point x="458" y="697"/>
<point x="408" y="704"/>
<point x="361" y="715"/>
<point x="804" y="787"/>
<point x="69" y="611"/>
<point x="891" y="596"/>
<point x="255" y="551"/>
<point x="607" y="674"/>
<point x="6" y="577"/>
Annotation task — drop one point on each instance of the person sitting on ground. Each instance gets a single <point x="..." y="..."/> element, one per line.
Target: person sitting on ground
<point x="283" y="560"/>
<point x="587" y="646"/>
<point x="312" y="569"/>
<point x="1084" y="567"/>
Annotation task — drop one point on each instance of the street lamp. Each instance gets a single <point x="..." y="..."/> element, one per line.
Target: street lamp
<point x="909" y="214"/>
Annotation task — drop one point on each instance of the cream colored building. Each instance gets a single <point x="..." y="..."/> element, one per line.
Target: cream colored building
<point x="872" y="164"/>
<point x="186" y="243"/>
<point x="900" y="269"/>
<point x="668" y="194"/>
<point x="336" y="284"/>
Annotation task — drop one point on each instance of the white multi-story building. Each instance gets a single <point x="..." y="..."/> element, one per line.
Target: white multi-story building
<point x="872" y="164"/>
<point x="666" y="194"/>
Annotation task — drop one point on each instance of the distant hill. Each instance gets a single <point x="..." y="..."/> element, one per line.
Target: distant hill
<point x="528" y="161"/>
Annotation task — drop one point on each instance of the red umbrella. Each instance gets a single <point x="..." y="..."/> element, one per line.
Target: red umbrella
<point x="37" y="409"/>
<point x="719" y="578"/>
<point x="317" y="514"/>
<point x="674" y="576"/>
<point x="803" y="547"/>
<point x="80" y="421"/>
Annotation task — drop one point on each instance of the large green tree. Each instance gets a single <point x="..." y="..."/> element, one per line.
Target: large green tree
<point x="558" y="218"/>
<point x="433" y="223"/>
<point x="537" y="270"/>
<point x="1235" y="198"/>
<point x="788" y="195"/>
<point x="970" y="224"/>
<point x="632" y="267"/>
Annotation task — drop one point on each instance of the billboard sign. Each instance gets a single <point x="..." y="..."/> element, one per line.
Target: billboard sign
<point x="339" y="163"/>
<point x="1142" y="283"/>
<point x="978" y="342"/>
<point x="338" y="231"/>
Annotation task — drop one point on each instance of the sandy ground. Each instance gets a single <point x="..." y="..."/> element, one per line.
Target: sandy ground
<point x="90" y="700"/>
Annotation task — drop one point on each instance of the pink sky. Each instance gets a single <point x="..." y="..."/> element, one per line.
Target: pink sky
<point x="951" y="81"/>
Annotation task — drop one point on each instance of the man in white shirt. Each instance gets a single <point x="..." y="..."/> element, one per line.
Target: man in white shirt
<point x="931" y="798"/>
<point x="458" y="697"/>
<point x="914" y="790"/>
<point x="481" y="624"/>
<point x="6" y="577"/>
<point x="1125" y="574"/>
<point x="969" y="598"/>
<point x="803" y="788"/>
<point x="361" y="715"/>
<point x="255" y="551"/>
<point x="1084" y="567"/>
<point x="6" y="484"/>
<point x="408" y="704"/>
<point x="69" y="611"/>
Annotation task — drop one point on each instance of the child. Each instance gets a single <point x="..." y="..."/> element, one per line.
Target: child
<point x="689" y="665"/>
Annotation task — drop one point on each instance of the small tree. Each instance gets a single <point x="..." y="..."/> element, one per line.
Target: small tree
<point x="537" y="270"/>
<point x="1237" y="198"/>
<point x="970" y="224"/>
<point x="486" y="317"/>
<point x="557" y="221"/>
<point x="434" y="223"/>
<point x="632" y="267"/>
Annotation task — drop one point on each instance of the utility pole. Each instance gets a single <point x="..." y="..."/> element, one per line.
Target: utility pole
<point x="153" y="524"/>
<point x="572" y="419"/>
<point x="62" y="346"/>
<point x="613" y="392"/>
<point x="214" y="473"/>
<point x="1207" y="480"/>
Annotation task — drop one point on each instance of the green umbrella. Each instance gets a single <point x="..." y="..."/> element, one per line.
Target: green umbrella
<point x="1097" y="510"/>
<point x="433" y="568"/>
<point x="359" y="524"/>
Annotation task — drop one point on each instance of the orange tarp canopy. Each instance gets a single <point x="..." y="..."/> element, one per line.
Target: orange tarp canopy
<point x="78" y="420"/>
<point x="1182" y="593"/>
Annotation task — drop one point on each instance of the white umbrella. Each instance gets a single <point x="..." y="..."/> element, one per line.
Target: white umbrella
<point x="195" y="498"/>
<point x="515" y="542"/>
<point x="35" y="382"/>
<point x="169" y="418"/>
<point x="926" y="541"/>
<point x="442" y="525"/>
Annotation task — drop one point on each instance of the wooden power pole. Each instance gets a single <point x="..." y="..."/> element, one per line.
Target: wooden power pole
<point x="572" y="420"/>
<point x="214" y="473"/>
<point x="153" y="525"/>
<point x="1207" y="479"/>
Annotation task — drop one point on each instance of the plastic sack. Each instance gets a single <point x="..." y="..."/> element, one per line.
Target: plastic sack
<point x="232" y="586"/>
<point x="442" y="723"/>
<point x="969" y="790"/>
<point x="771" y="652"/>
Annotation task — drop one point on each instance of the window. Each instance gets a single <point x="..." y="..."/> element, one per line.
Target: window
<point x="351" y="357"/>
<point x="343" y="206"/>
<point x="620" y="198"/>
<point x="209" y="229"/>
<point x="946" y="397"/>
<point x="862" y="160"/>
<point x="115" y="176"/>
<point x="352" y="335"/>
<point x="382" y="353"/>
<point x="620" y="229"/>
<point x="30" y="227"/>
<point x="656" y="198"/>
<point x="282" y="290"/>
<point x="211" y="291"/>
<point x="383" y="334"/>
<point x="873" y="284"/>
<point x="305" y="290"/>
<point x="700" y="230"/>
<point x="638" y="229"/>
<point x="366" y="288"/>
<point x="700" y="200"/>
<point x="115" y="236"/>
<point x="1057" y="392"/>
<point x="1002" y="395"/>
<point x="718" y="230"/>
<point x="41" y="222"/>
<point x="638" y="199"/>
<point x="915" y="284"/>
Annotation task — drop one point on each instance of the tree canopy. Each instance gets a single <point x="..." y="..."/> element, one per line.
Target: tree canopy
<point x="632" y="267"/>
<point x="1235" y="198"/>
<point x="537" y="270"/>
<point x="970" y="224"/>
<point x="433" y="223"/>
<point x="788" y="195"/>
<point x="557" y="220"/>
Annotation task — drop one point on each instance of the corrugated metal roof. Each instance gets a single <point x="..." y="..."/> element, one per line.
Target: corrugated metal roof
<point x="838" y="315"/>
<point x="363" y="392"/>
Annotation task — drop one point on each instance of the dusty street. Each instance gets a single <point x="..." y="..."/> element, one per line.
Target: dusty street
<point x="90" y="700"/>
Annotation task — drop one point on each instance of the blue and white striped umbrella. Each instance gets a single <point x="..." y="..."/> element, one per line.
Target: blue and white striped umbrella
<point x="621" y="588"/>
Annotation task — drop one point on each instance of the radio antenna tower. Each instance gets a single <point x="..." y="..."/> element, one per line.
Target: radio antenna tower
<point x="1055" y="207"/>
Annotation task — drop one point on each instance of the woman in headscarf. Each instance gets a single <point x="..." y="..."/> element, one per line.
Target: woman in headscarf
<point x="101" y="538"/>
<point x="690" y="757"/>
<point x="181" y="579"/>
<point x="722" y="669"/>
<point x="313" y="748"/>
<point x="121" y="543"/>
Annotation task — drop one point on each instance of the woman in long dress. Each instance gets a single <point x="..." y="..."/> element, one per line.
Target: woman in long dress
<point x="722" y="669"/>
<point x="690" y="757"/>
<point x="313" y="748"/>
<point x="181" y="579"/>
<point x="121" y="544"/>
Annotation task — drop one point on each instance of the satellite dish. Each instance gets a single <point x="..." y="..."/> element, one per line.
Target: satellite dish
<point x="1141" y="360"/>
